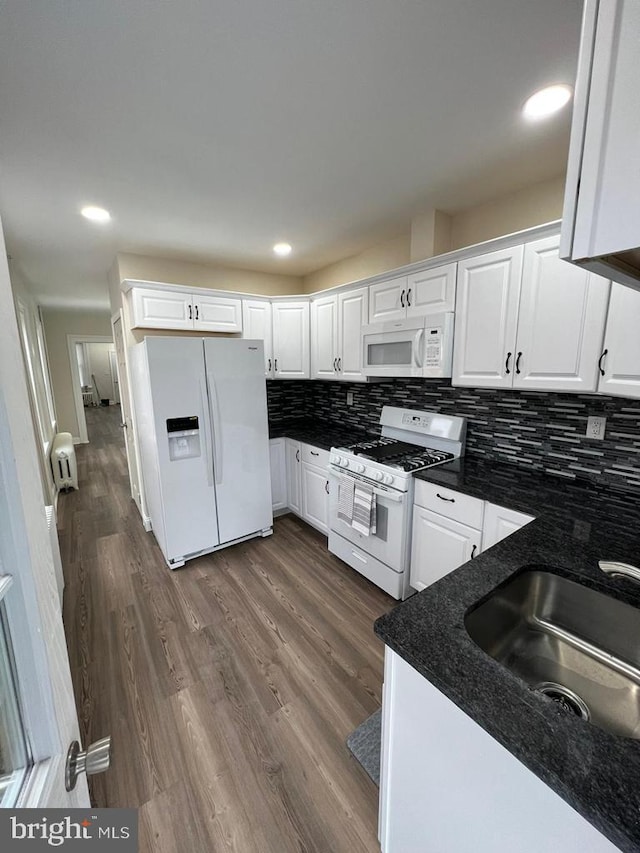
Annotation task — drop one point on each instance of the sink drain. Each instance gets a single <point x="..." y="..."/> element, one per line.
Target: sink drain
<point x="567" y="699"/>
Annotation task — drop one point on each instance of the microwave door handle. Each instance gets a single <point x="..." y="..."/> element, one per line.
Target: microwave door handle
<point x="418" y="355"/>
<point x="204" y="399"/>
<point x="216" y="428"/>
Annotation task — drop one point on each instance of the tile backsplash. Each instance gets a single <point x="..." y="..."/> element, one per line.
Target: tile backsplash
<point x="539" y="430"/>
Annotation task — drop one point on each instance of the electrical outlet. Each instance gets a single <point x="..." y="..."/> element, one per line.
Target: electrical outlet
<point x="349" y="398"/>
<point x="595" y="428"/>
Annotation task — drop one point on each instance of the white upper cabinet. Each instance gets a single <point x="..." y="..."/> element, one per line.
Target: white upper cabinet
<point x="336" y="335"/>
<point x="324" y="337"/>
<point x="619" y="367"/>
<point x="353" y="313"/>
<point x="526" y="319"/>
<point x="160" y="309"/>
<point x="429" y="292"/>
<point x="257" y="325"/>
<point x="291" y="339"/>
<point x="432" y="291"/>
<point x="180" y="309"/>
<point x="560" y="322"/>
<point x="602" y="203"/>
<point x="216" y="313"/>
<point x="486" y="319"/>
<point x="387" y="300"/>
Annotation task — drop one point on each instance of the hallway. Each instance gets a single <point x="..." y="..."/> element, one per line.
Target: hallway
<point x="229" y="686"/>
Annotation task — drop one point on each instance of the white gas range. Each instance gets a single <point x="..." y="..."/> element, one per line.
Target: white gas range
<point x="410" y="441"/>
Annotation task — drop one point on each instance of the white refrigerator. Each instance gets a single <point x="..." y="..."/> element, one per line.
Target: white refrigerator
<point x="201" y="417"/>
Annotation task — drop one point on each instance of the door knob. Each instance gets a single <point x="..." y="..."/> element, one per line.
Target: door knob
<point x="95" y="759"/>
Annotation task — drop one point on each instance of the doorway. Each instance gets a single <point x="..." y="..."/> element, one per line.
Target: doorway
<point x="92" y="359"/>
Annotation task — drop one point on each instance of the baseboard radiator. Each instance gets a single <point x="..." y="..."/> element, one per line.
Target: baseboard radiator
<point x="63" y="462"/>
<point x="55" y="549"/>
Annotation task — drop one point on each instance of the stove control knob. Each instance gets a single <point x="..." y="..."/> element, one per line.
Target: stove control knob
<point x="335" y="460"/>
<point x="388" y="479"/>
<point x="377" y="475"/>
<point x="344" y="462"/>
<point x="359" y="467"/>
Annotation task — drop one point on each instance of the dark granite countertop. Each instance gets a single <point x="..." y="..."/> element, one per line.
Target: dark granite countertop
<point x="325" y="435"/>
<point x="576" y="525"/>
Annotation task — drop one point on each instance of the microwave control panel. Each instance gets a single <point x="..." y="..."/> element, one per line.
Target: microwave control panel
<point x="433" y="346"/>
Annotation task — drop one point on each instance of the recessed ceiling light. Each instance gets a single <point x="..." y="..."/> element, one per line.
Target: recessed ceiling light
<point x="282" y="249"/>
<point x="95" y="214"/>
<point x="546" y="101"/>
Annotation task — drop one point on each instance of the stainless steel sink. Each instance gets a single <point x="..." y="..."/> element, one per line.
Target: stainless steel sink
<point x="579" y="647"/>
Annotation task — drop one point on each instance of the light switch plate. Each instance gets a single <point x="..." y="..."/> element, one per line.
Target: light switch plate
<point x="596" y="427"/>
<point x="349" y="398"/>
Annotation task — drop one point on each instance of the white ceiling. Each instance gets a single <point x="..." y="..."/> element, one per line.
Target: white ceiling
<point x="212" y="130"/>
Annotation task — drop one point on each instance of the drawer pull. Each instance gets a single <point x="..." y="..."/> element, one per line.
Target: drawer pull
<point x="449" y="500"/>
<point x="359" y="557"/>
<point x="313" y="453"/>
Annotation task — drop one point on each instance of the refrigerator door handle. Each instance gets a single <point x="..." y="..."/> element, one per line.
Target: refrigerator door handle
<point x="204" y="397"/>
<point x="216" y="428"/>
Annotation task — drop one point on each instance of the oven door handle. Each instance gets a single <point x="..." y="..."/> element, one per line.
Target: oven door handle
<point x="389" y="496"/>
<point x="418" y="355"/>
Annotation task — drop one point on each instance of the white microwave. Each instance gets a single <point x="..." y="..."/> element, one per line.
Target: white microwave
<point x="422" y="346"/>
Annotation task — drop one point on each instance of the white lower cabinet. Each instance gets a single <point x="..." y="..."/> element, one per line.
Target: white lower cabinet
<point x="277" y="448"/>
<point x="293" y="469"/>
<point x="308" y="483"/>
<point x="451" y="528"/>
<point x="439" y="546"/>
<point x="500" y="522"/>
<point x="447" y="532"/>
<point x="447" y="785"/>
<point x="315" y="496"/>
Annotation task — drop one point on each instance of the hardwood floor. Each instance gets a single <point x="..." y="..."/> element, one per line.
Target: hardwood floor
<point x="229" y="686"/>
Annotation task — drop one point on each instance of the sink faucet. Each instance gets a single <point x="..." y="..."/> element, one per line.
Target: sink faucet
<point x="620" y="570"/>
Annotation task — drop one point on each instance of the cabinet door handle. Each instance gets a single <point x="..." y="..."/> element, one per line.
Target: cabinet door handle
<point x="326" y="487"/>
<point x="473" y="551"/>
<point x="269" y="368"/>
<point x="449" y="500"/>
<point x="506" y="364"/>
<point x="297" y="455"/>
<point x="339" y="365"/>
<point x="335" y="365"/>
<point x="402" y="299"/>
<point x="197" y="313"/>
<point x="190" y="312"/>
<point x="518" y="357"/>
<point x="600" y="360"/>
<point x="275" y="363"/>
<point x="409" y="298"/>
